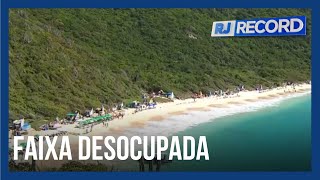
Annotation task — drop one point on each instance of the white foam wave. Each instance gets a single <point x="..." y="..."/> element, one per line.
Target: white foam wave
<point x="179" y="123"/>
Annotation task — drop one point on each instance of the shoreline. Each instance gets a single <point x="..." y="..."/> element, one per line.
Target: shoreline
<point x="169" y="117"/>
<point x="164" y="111"/>
<point x="185" y="107"/>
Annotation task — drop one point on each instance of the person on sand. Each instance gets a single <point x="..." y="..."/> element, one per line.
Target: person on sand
<point x="194" y="97"/>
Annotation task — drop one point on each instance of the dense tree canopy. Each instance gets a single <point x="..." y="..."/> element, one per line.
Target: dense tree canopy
<point x="66" y="59"/>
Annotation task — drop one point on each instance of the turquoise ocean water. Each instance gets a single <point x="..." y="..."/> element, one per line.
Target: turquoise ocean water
<point x="274" y="138"/>
<point x="269" y="135"/>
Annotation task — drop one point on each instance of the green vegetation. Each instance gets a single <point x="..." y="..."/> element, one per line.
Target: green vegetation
<point x="66" y="59"/>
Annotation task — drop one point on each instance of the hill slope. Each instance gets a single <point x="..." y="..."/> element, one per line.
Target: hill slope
<point x="66" y="59"/>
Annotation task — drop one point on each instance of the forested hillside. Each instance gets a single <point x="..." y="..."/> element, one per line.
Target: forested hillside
<point x="66" y="59"/>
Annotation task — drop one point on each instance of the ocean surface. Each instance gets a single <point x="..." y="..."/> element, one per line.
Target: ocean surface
<point x="269" y="135"/>
<point x="274" y="138"/>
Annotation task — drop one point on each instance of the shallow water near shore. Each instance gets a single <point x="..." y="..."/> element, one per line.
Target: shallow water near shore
<point x="275" y="138"/>
<point x="271" y="135"/>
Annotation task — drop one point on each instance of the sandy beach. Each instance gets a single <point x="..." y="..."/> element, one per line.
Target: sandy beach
<point x="180" y="107"/>
<point x="164" y="111"/>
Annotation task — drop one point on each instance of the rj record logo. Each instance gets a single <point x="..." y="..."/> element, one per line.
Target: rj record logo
<point x="278" y="26"/>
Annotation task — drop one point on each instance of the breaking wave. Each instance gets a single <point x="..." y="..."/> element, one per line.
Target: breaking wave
<point x="178" y="123"/>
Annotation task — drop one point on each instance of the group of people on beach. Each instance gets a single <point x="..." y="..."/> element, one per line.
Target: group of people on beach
<point x="148" y="102"/>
